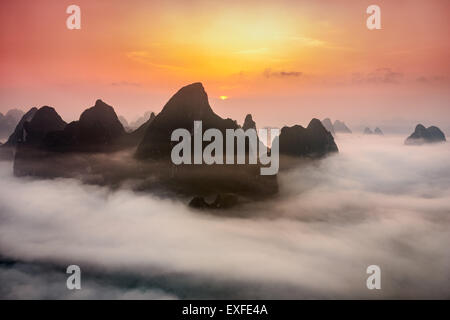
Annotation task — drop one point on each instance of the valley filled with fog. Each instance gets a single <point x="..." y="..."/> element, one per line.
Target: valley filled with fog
<point x="376" y="202"/>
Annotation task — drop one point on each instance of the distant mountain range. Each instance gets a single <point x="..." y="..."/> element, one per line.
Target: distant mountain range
<point x="341" y="127"/>
<point x="422" y="135"/>
<point x="336" y="127"/>
<point x="97" y="130"/>
<point x="9" y="121"/>
<point x="377" y="131"/>
<point x="44" y="145"/>
<point x="329" y="126"/>
<point x="131" y="126"/>
<point x="312" y="141"/>
<point x="18" y="134"/>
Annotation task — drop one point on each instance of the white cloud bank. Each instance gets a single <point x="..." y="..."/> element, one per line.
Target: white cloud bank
<point x="377" y="202"/>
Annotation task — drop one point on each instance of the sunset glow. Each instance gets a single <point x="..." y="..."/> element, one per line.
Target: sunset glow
<point x="288" y="53"/>
<point x="227" y="155"/>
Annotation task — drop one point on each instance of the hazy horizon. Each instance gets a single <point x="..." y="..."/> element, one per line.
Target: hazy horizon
<point x="390" y="124"/>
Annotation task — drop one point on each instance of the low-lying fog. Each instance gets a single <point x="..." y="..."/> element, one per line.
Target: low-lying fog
<point x="377" y="202"/>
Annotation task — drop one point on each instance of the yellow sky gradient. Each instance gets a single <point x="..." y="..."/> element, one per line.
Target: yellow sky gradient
<point x="135" y="54"/>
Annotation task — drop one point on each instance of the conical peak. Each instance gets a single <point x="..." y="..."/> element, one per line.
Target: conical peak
<point x="420" y="127"/>
<point x="315" y="123"/>
<point x="47" y="116"/>
<point x="190" y="101"/>
<point x="249" y="123"/>
<point x="99" y="109"/>
<point x="47" y="109"/>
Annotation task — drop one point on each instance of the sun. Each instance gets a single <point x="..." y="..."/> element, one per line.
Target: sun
<point x="223" y="97"/>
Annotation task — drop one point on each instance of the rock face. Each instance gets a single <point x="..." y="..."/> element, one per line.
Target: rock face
<point x="199" y="203"/>
<point x="53" y="152"/>
<point x="249" y="123"/>
<point x="328" y="125"/>
<point x="45" y="120"/>
<point x="97" y="130"/>
<point x="9" y="121"/>
<point x="149" y="115"/>
<point x="190" y="103"/>
<point x="423" y="135"/>
<point x="378" y="131"/>
<point x="341" y="127"/>
<point x="124" y="123"/>
<point x="222" y="201"/>
<point x="31" y="131"/>
<point x="18" y="135"/>
<point x="99" y="125"/>
<point x="139" y="133"/>
<point x="45" y="146"/>
<point x="367" y="130"/>
<point x="313" y="141"/>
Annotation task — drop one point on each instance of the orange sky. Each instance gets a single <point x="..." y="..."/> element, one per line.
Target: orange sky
<point x="283" y="61"/>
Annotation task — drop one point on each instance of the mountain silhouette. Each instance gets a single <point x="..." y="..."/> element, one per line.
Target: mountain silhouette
<point x="45" y="120"/>
<point x="328" y="125"/>
<point x="9" y="121"/>
<point x="249" y="123"/>
<point x="341" y="127"/>
<point x="41" y="144"/>
<point x="46" y="146"/>
<point x="422" y="135"/>
<point x="99" y="125"/>
<point x="141" y="120"/>
<point x="138" y="134"/>
<point x="313" y="141"/>
<point x="189" y="104"/>
<point x="378" y="131"/>
<point x="97" y="130"/>
<point x="124" y="123"/>
<point x="18" y="134"/>
<point x="367" y="130"/>
<point x="64" y="150"/>
<point x="222" y="201"/>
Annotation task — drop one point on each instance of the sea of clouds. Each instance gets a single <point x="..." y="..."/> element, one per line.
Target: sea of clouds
<point x="376" y="202"/>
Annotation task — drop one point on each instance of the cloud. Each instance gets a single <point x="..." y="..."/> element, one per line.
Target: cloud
<point x="146" y="58"/>
<point x="376" y="202"/>
<point x="31" y="281"/>
<point x="268" y="73"/>
<point x="379" y="76"/>
<point x="126" y="84"/>
<point x="308" y="42"/>
<point x="253" y="51"/>
<point x="433" y="79"/>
